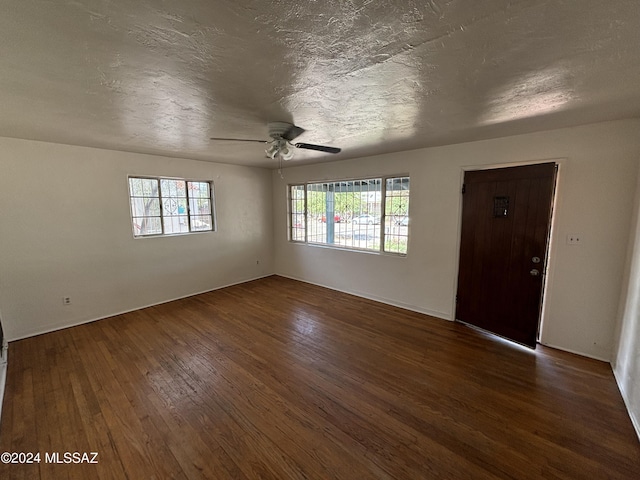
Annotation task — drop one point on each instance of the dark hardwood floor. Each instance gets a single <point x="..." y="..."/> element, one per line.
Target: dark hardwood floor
<point x="280" y="379"/>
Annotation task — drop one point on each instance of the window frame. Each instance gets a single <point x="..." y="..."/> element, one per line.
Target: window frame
<point x="383" y="215"/>
<point x="291" y="225"/>
<point x="188" y="214"/>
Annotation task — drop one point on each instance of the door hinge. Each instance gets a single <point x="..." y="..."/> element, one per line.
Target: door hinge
<point x="456" y="299"/>
<point x="464" y="188"/>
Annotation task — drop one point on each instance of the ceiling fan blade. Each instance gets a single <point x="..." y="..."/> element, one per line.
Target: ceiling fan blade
<point x="293" y="132"/>
<point x="319" y="148"/>
<point x="238" y="139"/>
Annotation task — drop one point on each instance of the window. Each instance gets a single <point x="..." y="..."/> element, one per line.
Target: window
<point x="167" y="206"/>
<point x="368" y="214"/>
<point x="396" y="215"/>
<point x="298" y="231"/>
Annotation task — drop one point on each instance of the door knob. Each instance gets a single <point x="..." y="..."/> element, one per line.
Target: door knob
<point x="534" y="272"/>
<point x="535" y="259"/>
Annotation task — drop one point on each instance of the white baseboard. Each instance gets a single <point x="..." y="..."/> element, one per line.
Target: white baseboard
<point x="54" y="328"/>
<point x="375" y="298"/>
<point x="575" y="352"/>
<point x="635" y="421"/>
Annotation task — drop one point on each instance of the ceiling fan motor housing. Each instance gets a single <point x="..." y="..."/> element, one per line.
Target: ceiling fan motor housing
<point x="284" y="130"/>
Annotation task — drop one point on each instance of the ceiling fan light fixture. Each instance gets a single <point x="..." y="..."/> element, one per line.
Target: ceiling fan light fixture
<point x="285" y="151"/>
<point x="273" y="150"/>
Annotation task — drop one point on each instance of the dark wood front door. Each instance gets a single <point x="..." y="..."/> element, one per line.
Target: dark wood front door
<point x="506" y="216"/>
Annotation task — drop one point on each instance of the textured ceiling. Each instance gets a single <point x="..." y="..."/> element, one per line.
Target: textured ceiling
<point x="368" y="76"/>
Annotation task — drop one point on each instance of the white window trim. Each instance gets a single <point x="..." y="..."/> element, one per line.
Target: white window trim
<point x="214" y="222"/>
<point x="383" y="235"/>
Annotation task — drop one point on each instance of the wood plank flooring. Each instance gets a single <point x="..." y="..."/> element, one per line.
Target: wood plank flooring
<point x="278" y="379"/>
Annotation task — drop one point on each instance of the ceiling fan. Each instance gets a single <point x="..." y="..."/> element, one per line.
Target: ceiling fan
<point x="280" y="146"/>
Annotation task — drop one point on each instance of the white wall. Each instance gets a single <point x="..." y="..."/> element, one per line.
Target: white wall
<point x="626" y="358"/>
<point x="595" y="196"/>
<point x="65" y="230"/>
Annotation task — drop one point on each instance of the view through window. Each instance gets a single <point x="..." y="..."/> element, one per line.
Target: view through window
<point x="369" y="214"/>
<point x="166" y="206"/>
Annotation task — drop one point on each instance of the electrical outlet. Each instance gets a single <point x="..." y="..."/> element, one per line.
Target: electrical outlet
<point x="66" y="300"/>
<point x="574" y="239"/>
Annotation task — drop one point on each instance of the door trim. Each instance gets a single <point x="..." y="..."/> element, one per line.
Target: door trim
<point x="551" y="257"/>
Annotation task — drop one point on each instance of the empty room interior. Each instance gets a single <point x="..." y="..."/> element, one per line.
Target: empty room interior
<point x="320" y="240"/>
